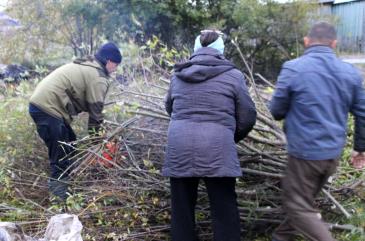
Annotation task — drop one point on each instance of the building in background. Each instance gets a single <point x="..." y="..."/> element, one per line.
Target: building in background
<point x="349" y="18"/>
<point x="7" y="23"/>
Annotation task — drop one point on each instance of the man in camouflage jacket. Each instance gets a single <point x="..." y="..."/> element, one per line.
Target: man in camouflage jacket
<point x="80" y="86"/>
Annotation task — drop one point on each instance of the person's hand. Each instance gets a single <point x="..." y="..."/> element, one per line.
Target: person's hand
<point x="357" y="159"/>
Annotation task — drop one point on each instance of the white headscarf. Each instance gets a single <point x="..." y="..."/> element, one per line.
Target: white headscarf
<point x="218" y="44"/>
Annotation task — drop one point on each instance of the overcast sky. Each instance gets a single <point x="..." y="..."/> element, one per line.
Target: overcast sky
<point x="2" y="4"/>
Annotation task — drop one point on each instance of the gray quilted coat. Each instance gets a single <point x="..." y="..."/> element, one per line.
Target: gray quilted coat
<point x="210" y="110"/>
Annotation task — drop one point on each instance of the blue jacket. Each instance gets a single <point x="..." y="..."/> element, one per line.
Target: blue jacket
<point x="210" y="109"/>
<point x="314" y="94"/>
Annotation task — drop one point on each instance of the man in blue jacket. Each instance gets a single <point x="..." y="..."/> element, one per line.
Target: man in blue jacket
<point x="314" y="94"/>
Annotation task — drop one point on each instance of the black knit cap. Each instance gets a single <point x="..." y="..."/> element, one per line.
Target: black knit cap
<point x="109" y="51"/>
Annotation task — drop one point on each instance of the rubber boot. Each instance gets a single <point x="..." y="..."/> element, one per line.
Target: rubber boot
<point x="59" y="188"/>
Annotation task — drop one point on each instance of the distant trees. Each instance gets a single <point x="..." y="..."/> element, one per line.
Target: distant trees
<point x="268" y="32"/>
<point x="50" y="25"/>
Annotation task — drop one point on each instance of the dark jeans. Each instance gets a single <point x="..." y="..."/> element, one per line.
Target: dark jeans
<point x="52" y="131"/>
<point x="302" y="182"/>
<point x="223" y="206"/>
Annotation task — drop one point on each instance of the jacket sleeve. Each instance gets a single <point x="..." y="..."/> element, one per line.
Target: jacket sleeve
<point x="280" y="102"/>
<point x="95" y="96"/>
<point x="358" y="111"/>
<point x="245" y="111"/>
<point x="168" y="100"/>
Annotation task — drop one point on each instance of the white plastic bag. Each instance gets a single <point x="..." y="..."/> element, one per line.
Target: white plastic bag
<point x="64" y="227"/>
<point x="12" y="232"/>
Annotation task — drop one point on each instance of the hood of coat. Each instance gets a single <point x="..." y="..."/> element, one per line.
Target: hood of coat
<point x="92" y="62"/>
<point x="204" y="64"/>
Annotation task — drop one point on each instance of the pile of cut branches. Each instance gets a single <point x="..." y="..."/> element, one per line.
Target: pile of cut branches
<point x="135" y="178"/>
<point x="121" y="195"/>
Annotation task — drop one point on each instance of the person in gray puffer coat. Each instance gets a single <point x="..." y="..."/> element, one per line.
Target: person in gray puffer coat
<point x="210" y="110"/>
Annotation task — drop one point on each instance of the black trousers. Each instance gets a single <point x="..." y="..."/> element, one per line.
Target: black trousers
<point x="223" y="208"/>
<point x="53" y="130"/>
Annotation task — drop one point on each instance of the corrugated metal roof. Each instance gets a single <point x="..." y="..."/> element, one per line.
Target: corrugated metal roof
<point x="344" y="1"/>
<point x="337" y="1"/>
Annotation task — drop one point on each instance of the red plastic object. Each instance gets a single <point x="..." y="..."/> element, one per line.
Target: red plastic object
<point x="108" y="153"/>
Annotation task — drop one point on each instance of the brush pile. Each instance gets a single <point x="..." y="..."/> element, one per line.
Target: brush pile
<point x="119" y="193"/>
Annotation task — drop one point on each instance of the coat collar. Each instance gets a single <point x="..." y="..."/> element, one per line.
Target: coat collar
<point x="207" y="51"/>
<point x="92" y="62"/>
<point x="319" y="49"/>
